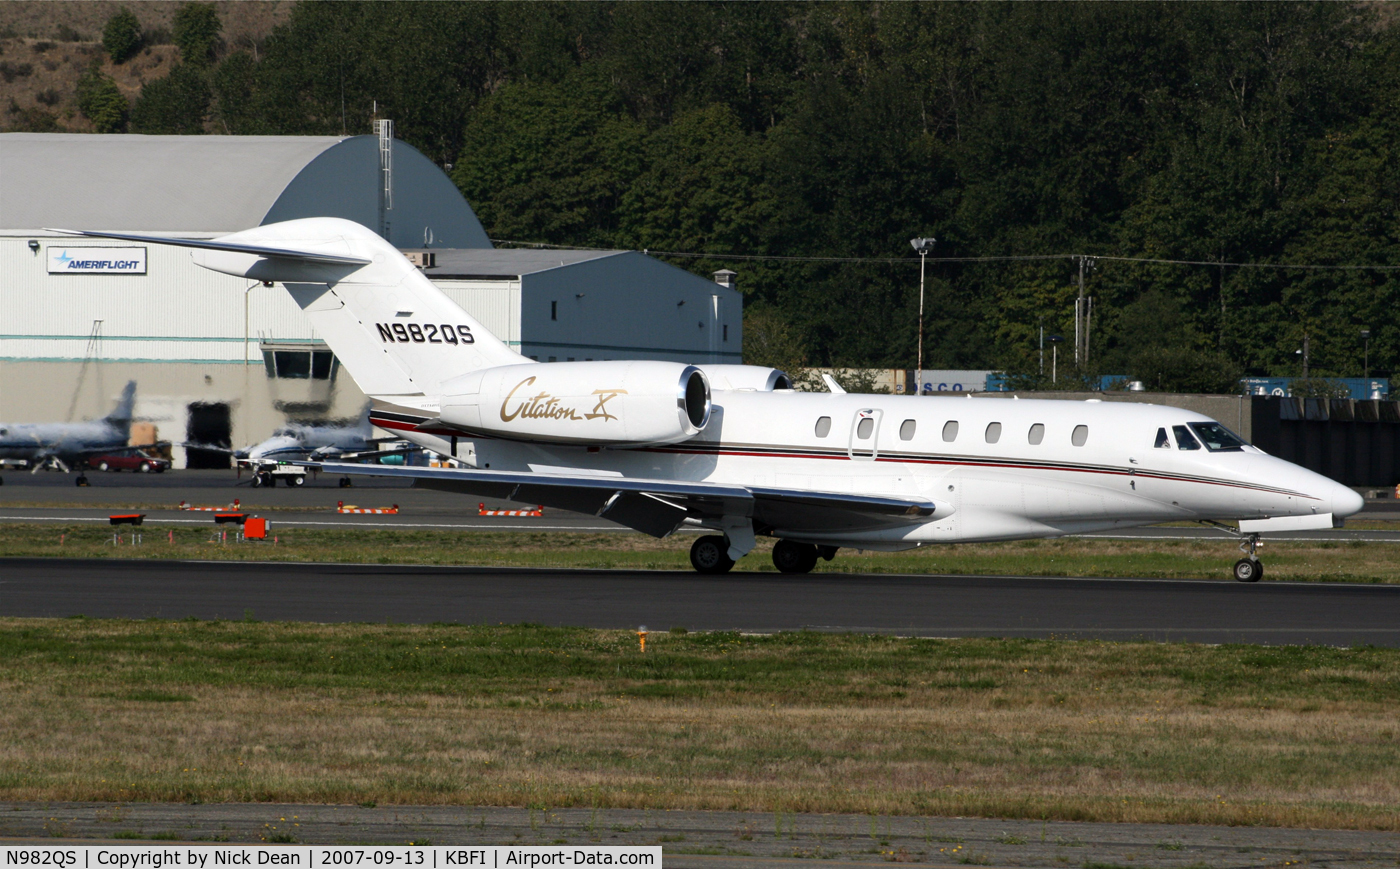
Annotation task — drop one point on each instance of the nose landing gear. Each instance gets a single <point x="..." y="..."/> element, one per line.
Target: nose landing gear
<point x="1249" y="568"/>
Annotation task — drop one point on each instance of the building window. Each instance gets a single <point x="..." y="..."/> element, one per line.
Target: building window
<point x="553" y="311"/>
<point x="300" y="364"/>
<point x="1036" y="435"/>
<point x="906" y="430"/>
<point x="554" y="359"/>
<point x="993" y="432"/>
<point x="1079" y="435"/>
<point x="950" y="431"/>
<point x="823" y="426"/>
<point x="726" y="332"/>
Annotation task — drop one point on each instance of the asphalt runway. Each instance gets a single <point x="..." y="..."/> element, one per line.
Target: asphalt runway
<point x="935" y="606"/>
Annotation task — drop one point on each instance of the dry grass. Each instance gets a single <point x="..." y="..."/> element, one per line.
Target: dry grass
<point x="113" y="710"/>
<point x="1186" y="559"/>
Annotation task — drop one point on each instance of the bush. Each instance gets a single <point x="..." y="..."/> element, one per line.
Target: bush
<point x="11" y="71"/>
<point x="101" y="101"/>
<point x="122" y="36"/>
<point x="196" y="30"/>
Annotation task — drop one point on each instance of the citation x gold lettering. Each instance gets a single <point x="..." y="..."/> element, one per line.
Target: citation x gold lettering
<point x="542" y="405"/>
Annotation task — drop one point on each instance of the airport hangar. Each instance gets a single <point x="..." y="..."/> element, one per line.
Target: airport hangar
<point x="218" y="361"/>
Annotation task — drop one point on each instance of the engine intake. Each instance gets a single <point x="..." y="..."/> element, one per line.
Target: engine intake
<point x="622" y="403"/>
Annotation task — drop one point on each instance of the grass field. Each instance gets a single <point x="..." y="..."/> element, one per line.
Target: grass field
<point x="520" y="715"/>
<point x="1210" y="559"/>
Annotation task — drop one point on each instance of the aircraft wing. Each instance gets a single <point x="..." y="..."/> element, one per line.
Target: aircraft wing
<point x="658" y="507"/>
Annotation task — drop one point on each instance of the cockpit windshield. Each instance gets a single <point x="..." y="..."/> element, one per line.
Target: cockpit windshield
<point x="1217" y="437"/>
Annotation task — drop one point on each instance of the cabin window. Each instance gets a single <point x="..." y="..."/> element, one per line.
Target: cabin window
<point x="553" y="310"/>
<point x="1079" y="435"/>
<point x="1184" y="439"/>
<point x="1036" y="434"/>
<point x="823" y="426"/>
<point x="1163" y="442"/>
<point x="950" y="430"/>
<point x="865" y="428"/>
<point x="906" y="430"/>
<point x="993" y="432"/>
<point x="1217" y="437"/>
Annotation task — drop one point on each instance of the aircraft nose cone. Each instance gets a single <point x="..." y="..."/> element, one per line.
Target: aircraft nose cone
<point x="1346" y="502"/>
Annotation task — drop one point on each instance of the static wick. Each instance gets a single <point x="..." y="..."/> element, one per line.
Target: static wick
<point x="642" y="635"/>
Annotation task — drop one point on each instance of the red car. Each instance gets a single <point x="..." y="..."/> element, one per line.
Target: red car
<point x="137" y="461"/>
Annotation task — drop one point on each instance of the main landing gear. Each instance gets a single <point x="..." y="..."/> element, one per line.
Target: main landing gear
<point x="1249" y="568"/>
<point x="710" y="554"/>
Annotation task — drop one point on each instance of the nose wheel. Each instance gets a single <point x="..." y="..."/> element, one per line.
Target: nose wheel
<point x="1249" y="568"/>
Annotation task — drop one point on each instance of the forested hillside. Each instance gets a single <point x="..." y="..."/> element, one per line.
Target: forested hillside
<point x="1257" y="133"/>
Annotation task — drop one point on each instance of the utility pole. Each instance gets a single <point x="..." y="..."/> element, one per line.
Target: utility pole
<point x="1042" y="346"/>
<point x="1083" y="313"/>
<point x="1366" y="363"/>
<point x="923" y="246"/>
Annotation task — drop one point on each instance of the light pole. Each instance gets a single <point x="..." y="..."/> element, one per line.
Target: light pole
<point x="1366" y="363"/>
<point x="923" y="246"/>
<point x="1054" y="356"/>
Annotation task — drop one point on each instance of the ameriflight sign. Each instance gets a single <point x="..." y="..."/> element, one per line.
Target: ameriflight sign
<point x="97" y="260"/>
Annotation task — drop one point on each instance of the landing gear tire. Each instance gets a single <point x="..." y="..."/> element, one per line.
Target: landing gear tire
<point x="1249" y="570"/>
<point x="262" y="480"/>
<point x="790" y="557"/>
<point x="296" y="481"/>
<point x="345" y="483"/>
<point x="81" y="481"/>
<point x="710" y="554"/>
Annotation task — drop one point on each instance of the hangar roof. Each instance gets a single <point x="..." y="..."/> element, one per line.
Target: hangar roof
<point x="511" y="262"/>
<point x="219" y="184"/>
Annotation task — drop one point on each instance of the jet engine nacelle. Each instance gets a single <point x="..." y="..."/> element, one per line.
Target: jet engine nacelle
<point x="745" y="378"/>
<point x="621" y="403"/>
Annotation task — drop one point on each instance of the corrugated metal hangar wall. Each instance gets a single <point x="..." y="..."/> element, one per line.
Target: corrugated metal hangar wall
<point x="217" y="361"/>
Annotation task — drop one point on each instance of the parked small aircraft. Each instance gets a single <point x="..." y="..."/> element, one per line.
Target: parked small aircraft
<point x="354" y="441"/>
<point x="656" y="447"/>
<point x="67" y="445"/>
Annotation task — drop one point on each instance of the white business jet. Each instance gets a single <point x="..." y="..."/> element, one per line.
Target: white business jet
<point x="657" y="446"/>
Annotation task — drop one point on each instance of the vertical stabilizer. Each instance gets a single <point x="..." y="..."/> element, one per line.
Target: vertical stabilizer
<point x="121" y="414"/>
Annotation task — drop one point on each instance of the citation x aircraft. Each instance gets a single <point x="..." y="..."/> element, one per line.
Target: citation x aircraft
<point x="659" y="446"/>
<point x="68" y="444"/>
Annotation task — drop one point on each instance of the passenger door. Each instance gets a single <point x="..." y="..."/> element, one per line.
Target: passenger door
<point x="865" y="435"/>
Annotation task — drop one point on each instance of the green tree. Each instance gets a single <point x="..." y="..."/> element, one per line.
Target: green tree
<point x="196" y="30"/>
<point x="121" y="37"/>
<point x="102" y="102"/>
<point x="550" y="162"/>
<point x="175" y="105"/>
